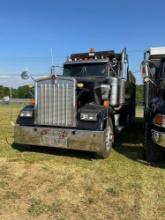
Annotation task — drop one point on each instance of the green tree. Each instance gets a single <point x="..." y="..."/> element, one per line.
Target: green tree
<point x="139" y="93"/>
<point x="4" y="91"/>
<point x="24" y="92"/>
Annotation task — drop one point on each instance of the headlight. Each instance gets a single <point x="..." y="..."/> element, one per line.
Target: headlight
<point x="88" y="116"/>
<point x="159" y="120"/>
<point x="26" y="114"/>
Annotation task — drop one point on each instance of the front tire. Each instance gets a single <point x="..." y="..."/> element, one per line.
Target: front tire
<point x="108" y="140"/>
<point x="152" y="153"/>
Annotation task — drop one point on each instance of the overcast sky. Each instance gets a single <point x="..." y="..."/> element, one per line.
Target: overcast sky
<point x="29" y="29"/>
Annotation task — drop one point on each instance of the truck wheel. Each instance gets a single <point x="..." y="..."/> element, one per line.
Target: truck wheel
<point x="108" y="140"/>
<point x="151" y="150"/>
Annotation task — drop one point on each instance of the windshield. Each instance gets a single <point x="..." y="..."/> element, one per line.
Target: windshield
<point x="87" y="69"/>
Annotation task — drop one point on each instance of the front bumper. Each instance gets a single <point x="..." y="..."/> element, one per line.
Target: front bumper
<point x="86" y="140"/>
<point x="158" y="137"/>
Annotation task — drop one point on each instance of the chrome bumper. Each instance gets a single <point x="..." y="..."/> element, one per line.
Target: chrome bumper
<point x="86" y="140"/>
<point x="158" y="137"/>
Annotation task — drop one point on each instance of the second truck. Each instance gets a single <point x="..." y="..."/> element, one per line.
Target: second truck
<point x="153" y="70"/>
<point x="83" y="108"/>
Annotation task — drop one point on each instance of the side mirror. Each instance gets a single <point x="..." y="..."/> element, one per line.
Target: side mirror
<point x="25" y="75"/>
<point x="114" y="62"/>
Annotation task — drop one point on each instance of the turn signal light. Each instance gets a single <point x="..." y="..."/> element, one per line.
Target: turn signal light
<point x="159" y="119"/>
<point x="92" y="50"/>
<point x="33" y="101"/>
<point x="106" y="103"/>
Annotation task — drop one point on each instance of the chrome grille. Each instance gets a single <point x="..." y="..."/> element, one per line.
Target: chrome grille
<point x="55" y="102"/>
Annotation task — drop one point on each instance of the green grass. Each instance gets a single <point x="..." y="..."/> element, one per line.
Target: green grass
<point x="46" y="183"/>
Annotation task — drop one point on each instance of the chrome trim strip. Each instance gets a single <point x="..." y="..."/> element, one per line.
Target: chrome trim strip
<point x="103" y="86"/>
<point x="49" y="78"/>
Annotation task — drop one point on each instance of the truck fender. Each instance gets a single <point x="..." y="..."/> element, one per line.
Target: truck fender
<point x="109" y="114"/>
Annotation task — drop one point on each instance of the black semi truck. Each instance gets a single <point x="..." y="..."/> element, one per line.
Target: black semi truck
<point x="153" y="70"/>
<point x="83" y="108"/>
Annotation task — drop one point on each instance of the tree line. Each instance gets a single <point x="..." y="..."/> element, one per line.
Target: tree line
<point x="139" y="94"/>
<point x="24" y="92"/>
<point x="20" y="92"/>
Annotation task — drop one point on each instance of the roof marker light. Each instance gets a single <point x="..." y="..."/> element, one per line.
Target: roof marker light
<point x="92" y="52"/>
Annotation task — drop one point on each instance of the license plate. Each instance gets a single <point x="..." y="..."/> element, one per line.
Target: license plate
<point x="61" y="142"/>
<point x="55" y="140"/>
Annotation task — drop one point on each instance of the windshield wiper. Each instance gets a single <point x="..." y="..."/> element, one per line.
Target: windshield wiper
<point x="83" y="71"/>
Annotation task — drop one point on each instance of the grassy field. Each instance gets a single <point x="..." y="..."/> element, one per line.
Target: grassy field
<point x="44" y="183"/>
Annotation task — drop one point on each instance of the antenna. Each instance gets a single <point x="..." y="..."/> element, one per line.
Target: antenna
<point x="52" y="58"/>
<point x="52" y="71"/>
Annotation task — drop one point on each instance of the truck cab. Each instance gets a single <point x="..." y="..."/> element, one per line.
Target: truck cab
<point x="153" y="70"/>
<point x="83" y="108"/>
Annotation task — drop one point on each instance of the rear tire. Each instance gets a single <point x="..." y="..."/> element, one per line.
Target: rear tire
<point x="152" y="152"/>
<point x="108" y="140"/>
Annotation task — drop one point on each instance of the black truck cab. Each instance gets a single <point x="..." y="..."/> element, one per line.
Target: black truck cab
<point x="153" y="70"/>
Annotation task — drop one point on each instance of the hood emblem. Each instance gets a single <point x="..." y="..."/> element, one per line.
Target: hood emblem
<point x="53" y="78"/>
